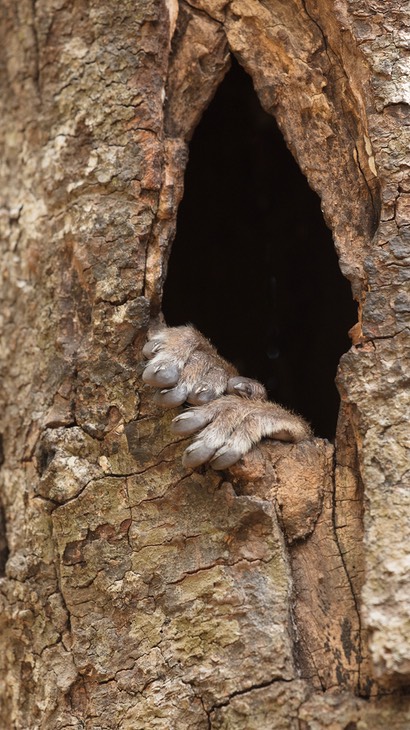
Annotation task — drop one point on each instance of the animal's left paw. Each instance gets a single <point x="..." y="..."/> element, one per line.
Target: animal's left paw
<point x="230" y="426"/>
<point x="184" y="366"/>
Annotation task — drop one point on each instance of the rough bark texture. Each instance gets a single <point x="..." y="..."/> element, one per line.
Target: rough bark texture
<point x="136" y="594"/>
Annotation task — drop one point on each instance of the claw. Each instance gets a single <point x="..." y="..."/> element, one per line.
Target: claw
<point x="171" y="397"/>
<point x="161" y="376"/>
<point x="151" y="348"/>
<point x="201" y="394"/>
<point x="188" y="423"/>
<point x="196" y="454"/>
<point x="225" y="459"/>
<point x="191" y="448"/>
<point x="246" y="387"/>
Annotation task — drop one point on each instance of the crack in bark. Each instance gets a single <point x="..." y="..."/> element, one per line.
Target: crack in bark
<point x="369" y="190"/>
<point x="246" y="690"/>
<point x="4" y="548"/>
<point x="349" y="579"/>
<point x="36" y="74"/>
<point x="376" y="338"/>
<point x="222" y="562"/>
<point x="315" y="22"/>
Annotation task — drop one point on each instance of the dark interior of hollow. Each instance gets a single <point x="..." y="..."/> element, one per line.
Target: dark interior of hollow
<point x="253" y="264"/>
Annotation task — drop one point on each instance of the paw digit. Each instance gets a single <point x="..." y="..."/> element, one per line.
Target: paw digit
<point x="171" y="397"/>
<point x="224" y="458"/>
<point x="246" y="388"/>
<point x="190" y="422"/>
<point x="198" y="453"/>
<point x="151" y="348"/>
<point x="161" y="374"/>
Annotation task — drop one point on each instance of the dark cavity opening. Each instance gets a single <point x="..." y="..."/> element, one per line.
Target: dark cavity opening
<point x="253" y="264"/>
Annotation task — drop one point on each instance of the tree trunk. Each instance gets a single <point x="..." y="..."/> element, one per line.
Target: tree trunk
<point x="136" y="593"/>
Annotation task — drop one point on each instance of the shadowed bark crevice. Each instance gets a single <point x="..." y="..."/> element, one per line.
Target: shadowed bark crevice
<point x="4" y="548"/>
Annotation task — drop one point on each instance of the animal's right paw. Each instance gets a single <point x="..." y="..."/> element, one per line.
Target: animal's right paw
<point x="230" y="427"/>
<point x="184" y="366"/>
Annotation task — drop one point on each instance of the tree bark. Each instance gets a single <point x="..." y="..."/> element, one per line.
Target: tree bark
<point x="136" y="593"/>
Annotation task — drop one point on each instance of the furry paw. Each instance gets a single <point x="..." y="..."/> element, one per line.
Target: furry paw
<point x="184" y="366"/>
<point x="229" y="427"/>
